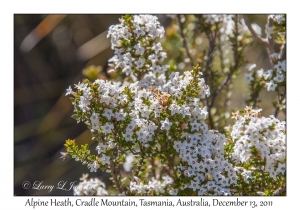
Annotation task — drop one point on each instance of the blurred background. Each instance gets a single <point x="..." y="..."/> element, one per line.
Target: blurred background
<point x="50" y="54"/>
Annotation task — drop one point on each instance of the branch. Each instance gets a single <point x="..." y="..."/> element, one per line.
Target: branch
<point x="236" y="63"/>
<point x="264" y="41"/>
<point x="116" y="181"/>
<point x="212" y="42"/>
<point x="184" y="41"/>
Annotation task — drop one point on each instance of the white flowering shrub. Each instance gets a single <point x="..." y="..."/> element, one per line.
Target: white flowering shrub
<point x="258" y="150"/>
<point x="155" y="129"/>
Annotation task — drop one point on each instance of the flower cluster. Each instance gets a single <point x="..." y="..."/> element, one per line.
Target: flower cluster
<point x="262" y="137"/>
<point x="89" y="187"/>
<point x="135" y="45"/>
<point x="279" y="18"/>
<point x="270" y="28"/>
<point x="130" y="114"/>
<point x="202" y="161"/>
<point x="275" y="76"/>
<point x="271" y="78"/>
<point x="253" y="74"/>
<point x="154" y="187"/>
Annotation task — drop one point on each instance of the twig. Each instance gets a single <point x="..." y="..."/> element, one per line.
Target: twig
<point x="184" y="41"/>
<point x="212" y="43"/>
<point x="116" y="181"/>
<point x="263" y="41"/>
<point x="224" y="82"/>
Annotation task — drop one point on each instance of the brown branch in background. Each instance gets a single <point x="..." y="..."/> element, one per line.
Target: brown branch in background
<point x="228" y="78"/>
<point x="207" y="72"/>
<point x="227" y="88"/>
<point x="263" y="41"/>
<point x="236" y="63"/>
<point x="268" y="43"/>
<point x="42" y="30"/>
<point x="184" y="40"/>
<point x="212" y="43"/>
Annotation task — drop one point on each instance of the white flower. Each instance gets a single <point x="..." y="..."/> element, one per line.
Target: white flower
<point x="280" y="66"/>
<point x="105" y="98"/>
<point x="145" y="112"/>
<point x="156" y="68"/>
<point x="128" y="135"/>
<point x="108" y="113"/>
<point x="139" y="31"/>
<point x="175" y="109"/>
<point x="153" y="58"/>
<point x="93" y="166"/>
<point x="120" y="116"/>
<point x="271" y="86"/>
<point x="279" y="78"/>
<point x="195" y="125"/>
<point x="166" y="124"/>
<point x="156" y="47"/>
<point x="249" y="77"/>
<point x="139" y="50"/>
<point x="107" y="127"/>
<point x="101" y="148"/>
<point x="69" y="91"/>
<point x="268" y="74"/>
<point x="185" y="111"/>
<point x="104" y="159"/>
<point x="167" y="180"/>
<point x="281" y="168"/>
<point x="139" y="63"/>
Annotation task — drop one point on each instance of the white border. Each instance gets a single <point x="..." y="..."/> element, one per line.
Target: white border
<point x="154" y="6"/>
